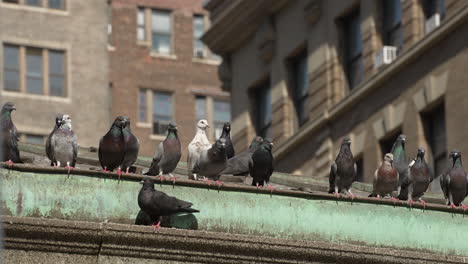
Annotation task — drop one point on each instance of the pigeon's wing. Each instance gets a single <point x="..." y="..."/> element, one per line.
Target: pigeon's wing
<point x="238" y="164"/>
<point x="170" y="205"/>
<point x="332" y="177"/>
<point x="75" y="149"/>
<point x="154" y="168"/>
<point x="445" y="183"/>
<point x="100" y="154"/>
<point x="48" y="147"/>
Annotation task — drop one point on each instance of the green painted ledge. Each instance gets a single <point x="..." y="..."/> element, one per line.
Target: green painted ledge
<point x="97" y="196"/>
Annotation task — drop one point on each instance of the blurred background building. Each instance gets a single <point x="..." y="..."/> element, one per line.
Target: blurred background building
<point x="307" y="73"/>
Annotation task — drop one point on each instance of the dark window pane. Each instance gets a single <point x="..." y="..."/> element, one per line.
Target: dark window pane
<point x="264" y="111"/>
<point x="162" y="112"/>
<point x="301" y="87"/>
<point x="56" y="62"/>
<point x="200" y="108"/>
<point x="392" y="23"/>
<point x="57" y="4"/>
<point x="161" y="31"/>
<point x="11" y="80"/>
<point x="11" y="1"/>
<point x="34" y="71"/>
<point x="198" y="29"/>
<point x="141" y="24"/>
<point x="142" y="116"/>
<point x="33" y="2"/>
<point x="56" y="73"/>
<point x="353" y="49"/>
<point x="56" y="86"/>
<point x="34" y="139"/>
<point x="222" y="114"/>
<point x="11" y="68"/>
<point x="161" y="43"/>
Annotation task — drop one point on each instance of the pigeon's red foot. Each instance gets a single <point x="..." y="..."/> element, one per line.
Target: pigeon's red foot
<point x="394" y="199"/>
<point x="157" y="226"/>
<point x="452" y="206"/>
<point x="270" y="187"/>
<point x="105" y="169"/>
<point x="219" y="183"/>
<point x="173" y="179"/>
<point x="423" y="203"/>
<point x="9" y="163"/>
<point x="464" y="207"/>
<point x="69" y="168"/>
<point x="119" y="172"/>
<point x="352" y="195"/>
<point x="162" y="178"/>
<point x="337" y="194"/>
<point x="257" y="185"/>
<point x="410" y="202"/>
<point x="207" y="180"/>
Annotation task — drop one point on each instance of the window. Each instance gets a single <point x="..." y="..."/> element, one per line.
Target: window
<point x="161" y="31"/>
<point x="263" y="110"/>
<point x="198" y="29"/>
<point x="142" y="106"/>
<point x="37" y="70"/>
<point x="141" y="24"/>
<point x="162" y="112"/>
<point x="387" y="142"/>
<point x="33" y="139"/>
<point x="222" y="114"/>
<point x="34" y="81"/>
<point x="53" y="4"/>
<point x="435" y="133"/>
<point x="200" y="108"/>
<point x="56" y="4"/>
<point x="360" y="168"/>
<point x="11" y="68"/>
<point x="300" y="87"/>
<point x="353" y="49"/>
<point x="11" y="1"/>
<point x="56" y="73"/>
<point x="33" y="2"/>
<point x="432" y="7"/>
<point x="392" y="29"/>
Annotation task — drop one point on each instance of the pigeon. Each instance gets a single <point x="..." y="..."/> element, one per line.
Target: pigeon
<point x="261" y="164"/>
<point x="112" y="147"/>
<point x="63" y="148"/>
<point x="8" y="136"/>
<point x="385" y="178"/>
<point x="343" y="170"/>
<point x="400" y="162"/>
<point x="211" y="162"/>
<point x="168" y="154"/>
<point x="419" y="177"/>
<point x="198" y="144"/>
<point x="226" y="134"/>
<point x="454" y="182"/>
<point x="156" y="203"/>
<point x="239" y="164"/>
<point x="132" y="146"/>
<point x="58" y="123"/>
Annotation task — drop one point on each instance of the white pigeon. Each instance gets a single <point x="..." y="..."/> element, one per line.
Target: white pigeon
<point x="198" y="144"/>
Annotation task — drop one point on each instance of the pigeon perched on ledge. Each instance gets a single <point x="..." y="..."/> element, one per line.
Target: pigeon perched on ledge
<point x="261" y="164"/>
<point x="385" y="178"/>
<point x="400" y="162"/>
<point x="419" y="177"/>
<point x="343" y="170"/>
<point x="198" y="144"/>
<point x="226" y="134"/>
<point x="454" y="183"/>
<point x="239" y="164"/>
<point x="112" y="146"/>
<point x="8" y="136"/>
<point x="58" y="123"/>
<point x="212" y="161"/>
<point x="132" y="146"/>
<point x="156" y="203"/>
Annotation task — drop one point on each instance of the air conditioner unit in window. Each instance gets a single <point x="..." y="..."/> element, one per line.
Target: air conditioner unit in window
<point x="432" y="23"/>
<point x="385" y="56"/>
<point x="200" y="53"/>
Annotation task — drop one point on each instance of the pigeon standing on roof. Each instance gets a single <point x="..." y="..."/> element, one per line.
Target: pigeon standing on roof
<point x="168" y="154"/>
<point x="132" y="146"/>
<point x="400" y="162"/>
<point x="58" y="123"/>
<point x="8" y="136"/>
<point x="343" y="170"/>
<point x="455" y="183"/>
<point x="212" y="162"/>
<point x="239" y="164"/>
<point x="261" y="164"/>
<point x="198" y="144"/>
<point x="226" y="134"/>
<point x="156" y="203"/>
<point x="63" y="145"/>
<point x="112" y="147"/>
<point x="385" y="178"/>
<point x="419" y="177"/>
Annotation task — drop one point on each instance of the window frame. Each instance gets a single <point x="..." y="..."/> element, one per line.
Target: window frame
<point x="300" y="95"/>
<point x="170" y="34"/>
<point x="30" y="75"/>
<point x="164" y="122"/>
<point x="392" y="30"/>
<point x="8" y="69"/>
<point x="42" y="4"/>
<point x="352" y="61"/>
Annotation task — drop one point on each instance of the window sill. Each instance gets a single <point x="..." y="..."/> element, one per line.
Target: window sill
<point x="206" y="61"/>
<point x="163" y="56"/>
<point x="158" y="137"/>
<point x="143" y="43"/>
<point x="39" y="9"/>
<point x="36" y="96"/>
<point x="143" y="125"/>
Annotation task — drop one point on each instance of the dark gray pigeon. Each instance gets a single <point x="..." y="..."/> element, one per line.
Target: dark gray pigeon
<point x="63" y="145"/>
<point x="239" y="164"/>
<point x="58" y="123"/>
<point x="343" y="170"/>
<point x="212" y="162"/>
<point x="168" y="154"/>
<point x="385" y="178"/>
<point x="157" y="204"/>
<point x="112" y="147"/>
<point x="8" y="136"/>
<point x="226" y="134"/>
<point x="132" y="146"/>
<point x="401" y="164"/>
<point x="261" y="164"/>
<point x="419" y="177"/>
<point x="454" y="183"/>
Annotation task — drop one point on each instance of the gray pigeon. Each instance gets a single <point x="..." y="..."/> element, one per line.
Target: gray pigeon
<point x="168" y="155"/>
<point x="226" y="134"/>
<point x="401" y="164"/>
<point x="454" y="183"/>
<point x="261" y="165"/>
<point x="58" y="123"/>
<point x="385" y="178"/>
<point x="112" y="147"/>
<point x="343" y="170"/>
<point x="156" y="203"/>
<point x="212" y="162"/>
<point x="63" y="145"/>
<point x="239" y="164"/>
<point x="8" y="136"/>
<point x="132" y="146"/>
<point x="419" y="178"/>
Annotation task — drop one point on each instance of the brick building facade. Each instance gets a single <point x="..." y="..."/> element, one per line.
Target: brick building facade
<point x="309" y="72"/>
<point x="161" y="71"/>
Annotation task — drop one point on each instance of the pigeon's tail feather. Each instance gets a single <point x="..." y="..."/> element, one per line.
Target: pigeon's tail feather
<point x="188" y="210"/>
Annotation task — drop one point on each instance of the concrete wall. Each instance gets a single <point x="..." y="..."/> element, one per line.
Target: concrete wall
<point x="80" y="30"/>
